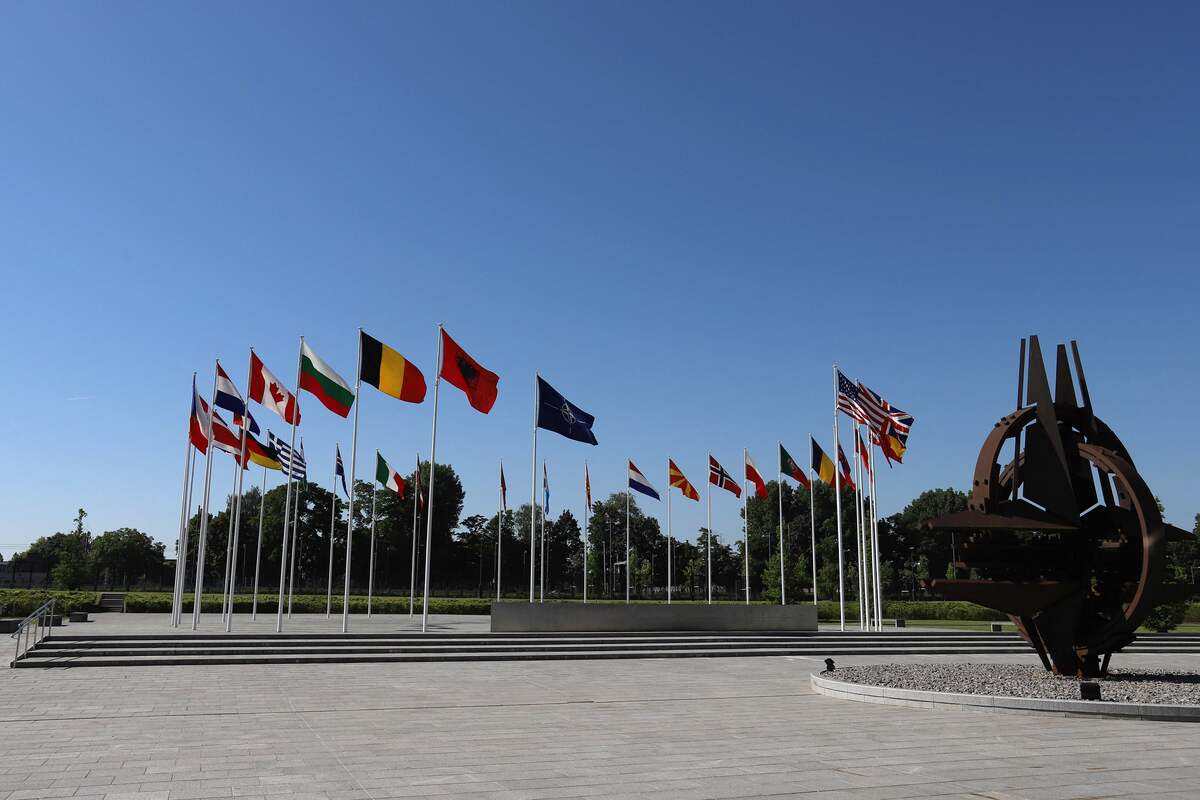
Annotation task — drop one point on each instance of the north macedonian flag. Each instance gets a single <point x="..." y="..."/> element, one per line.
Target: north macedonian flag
<point x="388" y="476"/>
<point x="319" y="378"/>
<point x="789" y="467"/>
<point x="388" y="371"/>
<point x="678" y="481"/>
<point x="822" y="464"/>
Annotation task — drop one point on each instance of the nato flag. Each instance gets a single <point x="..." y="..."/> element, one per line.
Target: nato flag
<point x="556" y="413"/>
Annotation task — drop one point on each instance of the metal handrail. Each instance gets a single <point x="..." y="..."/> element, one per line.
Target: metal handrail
<point x="41" y="619"/>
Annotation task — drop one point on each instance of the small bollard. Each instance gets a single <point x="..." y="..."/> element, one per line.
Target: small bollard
<point x="829" y="666"/>
<point x="1089" y="690"/>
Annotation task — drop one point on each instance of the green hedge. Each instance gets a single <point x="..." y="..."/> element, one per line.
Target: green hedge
<point x="827" y="610"/>
<point x="20" y="602"/>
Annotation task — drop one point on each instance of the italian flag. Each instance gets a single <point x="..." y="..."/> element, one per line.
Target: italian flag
<point x="388" y="476"/>
<point x="319" y="378"/>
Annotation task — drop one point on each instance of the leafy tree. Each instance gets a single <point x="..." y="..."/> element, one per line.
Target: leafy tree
<point x="74" y="565"/>
<point x="127" y="554"/>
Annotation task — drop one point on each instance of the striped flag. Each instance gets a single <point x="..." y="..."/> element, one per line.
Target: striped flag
<point x="883" y="417"/>
<point x="846" y="472"/>
<point x="861" y="449"/>
<point x="339" y="468"/>
<point x="848" y="399"/>
<point x="638" y="481"/>
<point x="755" y="477"/>
<point x="292" y="460"/>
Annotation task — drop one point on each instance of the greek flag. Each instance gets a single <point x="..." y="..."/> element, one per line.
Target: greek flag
<point x="292" y="461"/>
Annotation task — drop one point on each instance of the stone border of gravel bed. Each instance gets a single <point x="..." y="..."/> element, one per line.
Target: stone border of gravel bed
<point x="946" y="701"/>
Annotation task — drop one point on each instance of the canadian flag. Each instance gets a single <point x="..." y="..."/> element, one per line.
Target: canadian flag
<point x="268" y="390"/>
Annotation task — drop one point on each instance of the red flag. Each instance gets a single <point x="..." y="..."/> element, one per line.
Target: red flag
<point x="862" y="454"/>
<point x="269" y="391"/>
<point x="752" y="475"/>
<point x="847" y="481"/>
<point x="198" y="427"/>
<point x="717" y="476"/>
<point x="460" y="370"/>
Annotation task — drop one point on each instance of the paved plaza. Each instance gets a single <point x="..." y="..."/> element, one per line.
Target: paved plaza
<point x="665" y="728"/>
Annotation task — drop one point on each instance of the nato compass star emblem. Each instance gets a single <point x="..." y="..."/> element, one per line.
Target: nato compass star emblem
<point x="568" y="415"/>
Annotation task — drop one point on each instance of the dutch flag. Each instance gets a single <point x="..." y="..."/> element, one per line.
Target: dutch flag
<point x="638" y="481"/>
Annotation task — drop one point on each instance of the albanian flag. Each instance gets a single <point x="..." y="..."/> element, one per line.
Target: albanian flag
<point x="467" y="374"/>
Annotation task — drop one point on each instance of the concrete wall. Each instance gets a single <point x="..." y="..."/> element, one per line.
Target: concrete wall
<point x="577" y="617"/>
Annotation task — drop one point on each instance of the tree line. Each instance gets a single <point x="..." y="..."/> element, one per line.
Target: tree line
<point x="464" y="549"/>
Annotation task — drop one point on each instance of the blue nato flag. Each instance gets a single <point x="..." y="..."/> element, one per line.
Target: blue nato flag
<point x="557" y="413"/>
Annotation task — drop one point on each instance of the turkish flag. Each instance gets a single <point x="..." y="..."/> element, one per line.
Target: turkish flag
<point x="467" y="374"/>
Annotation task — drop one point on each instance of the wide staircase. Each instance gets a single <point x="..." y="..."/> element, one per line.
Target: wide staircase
<point x="70" y="650"/>
<point x="112" y="601"/>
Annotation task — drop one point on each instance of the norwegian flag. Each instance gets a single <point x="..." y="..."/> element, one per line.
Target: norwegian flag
<point x="717" y="476"/>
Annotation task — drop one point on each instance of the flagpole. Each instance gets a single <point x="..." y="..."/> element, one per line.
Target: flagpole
<point x="779" y="491"/>
<point x="350" y="497"/>
<point x="586" y="513"/>
<point x="746" y="524"/>
<point x="533" y="490"/>
<point x="287" y="498"/>
<point x="709" y="541"/>
<point x="371" y="560"/>
<point x="237" y="520"/>
<point x="180" y="551"/>
<point x="837" y="497"/>
<point x="669" y="565"/>
<point x="627" y="493"/>
<point x="332" y="522"/>
<point x="186" y="538"/>
<point x="432" y="462"/>
<point x="875" y="546"/>
<point x="858" y="530"/>
<point x="196" y="599"/>
<point x="500" y="530"/>
<point x="542" y="545"/>
<point x="295" y="527"/>
<point x="812" y="518"/>
<point x="262" y="505"/>
<point x="412" y="571"/>
<point x="237" y="468"/>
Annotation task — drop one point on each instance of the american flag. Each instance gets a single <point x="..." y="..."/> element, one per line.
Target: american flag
<point x="883" y="417"/>
<point x="717" y="476"/>
<point x="848" y="399"/>
<point x="292" y="460"/>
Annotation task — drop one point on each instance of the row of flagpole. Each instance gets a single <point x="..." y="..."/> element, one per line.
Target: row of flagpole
<point x="574" y="424"/>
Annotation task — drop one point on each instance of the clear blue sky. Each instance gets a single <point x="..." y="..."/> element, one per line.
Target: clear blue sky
<point x="680" y="213"/>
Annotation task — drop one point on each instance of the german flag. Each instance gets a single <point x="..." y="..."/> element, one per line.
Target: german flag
<point x="388" y="371"/>
<point x="260" y="454"/>
<point x="678" y="481"/>
<point x="822" y="464"/>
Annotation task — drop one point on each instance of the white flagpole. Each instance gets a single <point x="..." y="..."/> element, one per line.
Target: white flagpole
<point x="262" y="505"/>
<point x="533" y="491"/>
<point x="812" y="518"/>
<point x="500" y="533"/>
<point x="782" y="573"/>
<point x="350" y="498"/>
<point x="669" y="555"/>
<point x="437" y="382"/>
<point x="586" y="514"/>
<point x="837" y="496"/>
<point x="412" y="571"/>
<point x="746" y="524"/>
<point x="627" y="493"/>
<point x="180" y="549"/>
<point x="332" y="522"/>
<point x="287" y="498"/>
<point x="371" y="560"/>
<point x="542" y="546"/>
<point x="295" y="531"/>
<point x="186" y="538"/>
<point x="237" y="515"/>
<point x="196" y="599"/>
<point x="858" y="531"/>
<point x="237" y="468"/>
<point x="708" y="542"/>
<point x="875" y="546"/>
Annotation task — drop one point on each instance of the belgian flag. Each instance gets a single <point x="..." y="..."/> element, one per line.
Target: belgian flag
<point x="821" y="463"/>
<point x="388" y="371"/>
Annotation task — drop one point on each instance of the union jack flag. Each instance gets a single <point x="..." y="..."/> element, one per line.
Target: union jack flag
<point x="883" y="417"/>
<point x="718" y="477"/>
<point x="848" y="399"/>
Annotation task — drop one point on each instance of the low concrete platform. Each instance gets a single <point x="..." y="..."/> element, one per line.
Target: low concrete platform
<point x="658" y="617"/>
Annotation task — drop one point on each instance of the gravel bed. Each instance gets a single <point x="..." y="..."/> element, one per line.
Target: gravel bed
<point x="1014" y="680"/>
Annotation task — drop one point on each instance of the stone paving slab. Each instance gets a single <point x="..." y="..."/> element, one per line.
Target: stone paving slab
<point x="690" y="728"/>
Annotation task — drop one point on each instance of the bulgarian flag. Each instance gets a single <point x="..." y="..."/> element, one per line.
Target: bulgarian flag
<point x="388" y="476"/>
<point x="319" y="378"/>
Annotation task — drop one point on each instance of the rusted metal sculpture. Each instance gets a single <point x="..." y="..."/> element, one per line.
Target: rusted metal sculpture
<point x="1062" y="534"/>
